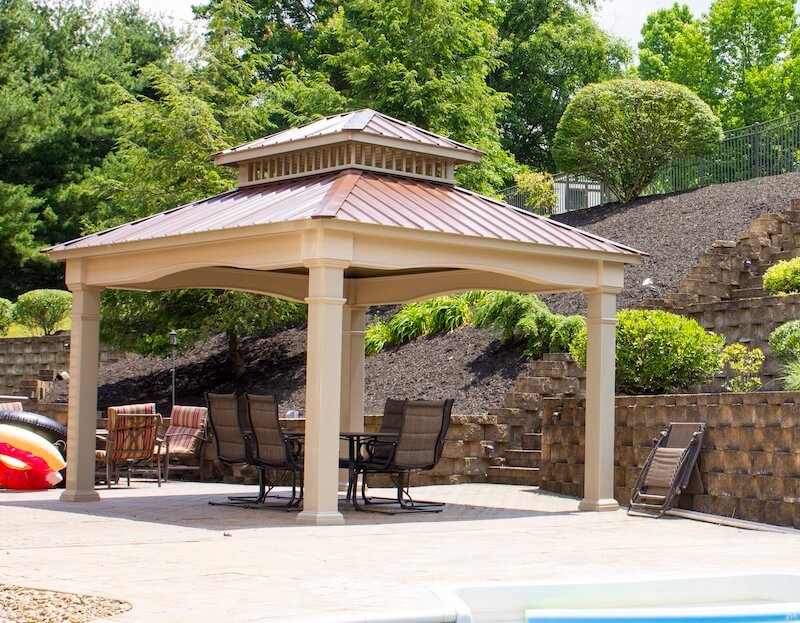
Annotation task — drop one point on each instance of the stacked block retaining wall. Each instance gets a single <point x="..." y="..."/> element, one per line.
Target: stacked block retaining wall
<point x="749" y="465"/>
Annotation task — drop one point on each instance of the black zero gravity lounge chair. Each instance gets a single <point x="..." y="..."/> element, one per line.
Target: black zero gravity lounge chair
<point x="668" y="469"/>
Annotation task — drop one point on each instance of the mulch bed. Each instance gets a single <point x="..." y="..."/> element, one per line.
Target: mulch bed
<point x="469" y="365"/>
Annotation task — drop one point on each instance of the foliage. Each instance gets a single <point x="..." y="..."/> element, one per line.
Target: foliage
<point x="565" y="329"/>
<point x="377" y="337"/>
<point x="739" y="57"/>
<point x="540" y="193"/>
<point x="57" y="61"/>
<point x="622" y="132"/>
<point x="42" y="310"/>
<point x="6" y="311"/>
<point x="524" y="317"/>
<point x="549" y="50"/>
<point x="743" y="365"/>
<point x="785" y="341"/>
<point x="425" y="62"/>
<point x="791" y="376"/>
<point x="412" y="321"/>
<point x="141" y="322"/>
<point x="658" y="352"/>
<point x="783" y="277"/>
<point x="448" y="313"/>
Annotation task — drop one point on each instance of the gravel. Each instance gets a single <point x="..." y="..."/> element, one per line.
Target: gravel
<point x="30" y="605"/>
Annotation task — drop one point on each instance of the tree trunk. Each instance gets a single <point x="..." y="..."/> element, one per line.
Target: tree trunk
<point x="235" y="358"/>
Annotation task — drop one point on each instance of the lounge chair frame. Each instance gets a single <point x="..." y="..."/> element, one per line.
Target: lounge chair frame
<point x="670" y="466"/>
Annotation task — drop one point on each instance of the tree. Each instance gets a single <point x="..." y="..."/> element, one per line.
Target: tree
<point x="549" y="49"/>
<point x="657" y="46"/>
<point x="738" y="58"/>
<point x="56" y="62"/>
<point x="425" y="62"/>
<point x="42" y="310"/>
<point x="622" y="132"/>
<point x="141" y="322"/>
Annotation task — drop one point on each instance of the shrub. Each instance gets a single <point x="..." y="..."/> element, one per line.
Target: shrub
<point x="42" y="310"/>
<point x="783" y="277"/>
<point x="447" y="313"/>
<point x="785" y="341"/>
<point x="6" y="310"/>
<point x="658" y="352"/>
<point x="411" y="322"/>
<point x="791" y="376"/>
<point x="540" y="194"/>
<point x="743" y="366"/>
<point x="622" y="132"/>
<point x="376" y="338"/>
<point x="515" y="316"/>
<point x="564" y="331"/>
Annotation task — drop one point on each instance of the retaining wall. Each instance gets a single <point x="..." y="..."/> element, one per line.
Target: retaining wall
<point x="749" y="465"/>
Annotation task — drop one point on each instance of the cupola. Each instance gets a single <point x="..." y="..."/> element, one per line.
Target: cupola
<point x="362" y="139"/>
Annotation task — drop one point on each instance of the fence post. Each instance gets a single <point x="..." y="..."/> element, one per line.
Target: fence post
<point x="702" y="171"/>
<point x="756" y="151"/>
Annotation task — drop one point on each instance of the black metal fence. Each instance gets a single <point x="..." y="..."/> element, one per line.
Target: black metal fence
<point x="758" y="150"/>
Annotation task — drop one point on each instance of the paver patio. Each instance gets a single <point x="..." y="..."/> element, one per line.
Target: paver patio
<point x="168" y="552"/>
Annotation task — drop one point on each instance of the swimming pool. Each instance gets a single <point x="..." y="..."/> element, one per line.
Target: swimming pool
<point x="753" y="598"/>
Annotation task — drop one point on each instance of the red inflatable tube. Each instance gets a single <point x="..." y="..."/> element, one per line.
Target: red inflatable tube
<point x="34" y="474"/>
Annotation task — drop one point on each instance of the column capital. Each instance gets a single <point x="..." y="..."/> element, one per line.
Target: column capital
<point x="324" y="300"/>
<point x="324" y="262"/>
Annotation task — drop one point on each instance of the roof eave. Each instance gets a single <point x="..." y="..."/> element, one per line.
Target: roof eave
<point x="232" y="157"/>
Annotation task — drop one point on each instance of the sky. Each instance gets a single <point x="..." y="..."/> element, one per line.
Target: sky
<point x="623" y="18"/>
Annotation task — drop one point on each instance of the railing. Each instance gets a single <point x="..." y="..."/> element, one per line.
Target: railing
<point x="758" y="150"/>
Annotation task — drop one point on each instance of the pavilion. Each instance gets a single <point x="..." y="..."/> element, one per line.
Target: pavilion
<point x="349" y="211"/>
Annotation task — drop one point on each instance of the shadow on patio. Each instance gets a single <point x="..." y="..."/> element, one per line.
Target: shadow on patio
<point x="186" y="505"/>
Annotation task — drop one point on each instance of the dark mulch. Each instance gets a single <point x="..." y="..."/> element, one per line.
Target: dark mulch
<point x="675" y="230"/>
<point x="469" y="365"/>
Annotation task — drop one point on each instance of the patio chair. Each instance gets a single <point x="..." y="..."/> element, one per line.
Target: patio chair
<point x="391" y="423"/>
<point x="232" y="439"/>
<point x="11" y="406"/>
<point x="276" y="454"/>
<point x="131" y="442"/>
<point x="184" y="440"/>
<point x="668" y="469"/>
<point x="419" y="447"/>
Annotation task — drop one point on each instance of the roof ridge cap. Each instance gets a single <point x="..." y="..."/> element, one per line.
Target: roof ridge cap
<point x="337" y="194"/>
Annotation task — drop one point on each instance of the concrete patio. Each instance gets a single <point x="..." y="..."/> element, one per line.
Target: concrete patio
<point x="176" y="559"/>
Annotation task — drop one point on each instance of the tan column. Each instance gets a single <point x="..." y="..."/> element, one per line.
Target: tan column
<point x="323" y="394"/>
<point x="601" y="320"/>
<point x="82" y="415"/>
<point x="354" y="325"/>
<point x="351" y="415"/>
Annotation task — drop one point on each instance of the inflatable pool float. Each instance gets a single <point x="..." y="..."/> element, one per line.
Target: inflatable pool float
<point x="28" y="460"/>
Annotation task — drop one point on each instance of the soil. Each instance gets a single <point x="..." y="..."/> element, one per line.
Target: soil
<point x="470" y="365"/>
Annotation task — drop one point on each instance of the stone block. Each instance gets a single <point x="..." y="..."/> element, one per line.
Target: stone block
<point x="779" y="513"/>
<point x="750" y="509"/>
<point x="472" y="432"/>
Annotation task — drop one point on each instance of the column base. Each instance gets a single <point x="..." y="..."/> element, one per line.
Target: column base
<point x="320" y="518"/>
<point x="78" y="495"/>
<point x="605" y="504"/>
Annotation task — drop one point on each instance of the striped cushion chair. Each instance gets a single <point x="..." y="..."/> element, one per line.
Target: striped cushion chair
<point x="184" y="438"/>
<point x="132" y="440"/>
<point x="11" y="406"/>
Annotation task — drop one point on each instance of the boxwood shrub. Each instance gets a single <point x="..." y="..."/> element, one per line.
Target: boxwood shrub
<point x="783" y="277"/>
<point x="658" y="352"/>
<point x="785" y="342"/>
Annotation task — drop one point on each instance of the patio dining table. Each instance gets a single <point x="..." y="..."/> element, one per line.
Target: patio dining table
<point x="355" y="439"/>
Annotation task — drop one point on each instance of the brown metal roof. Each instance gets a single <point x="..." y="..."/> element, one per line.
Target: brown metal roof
<point x="359" y="197"/>
<point x="364" y="121"/>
